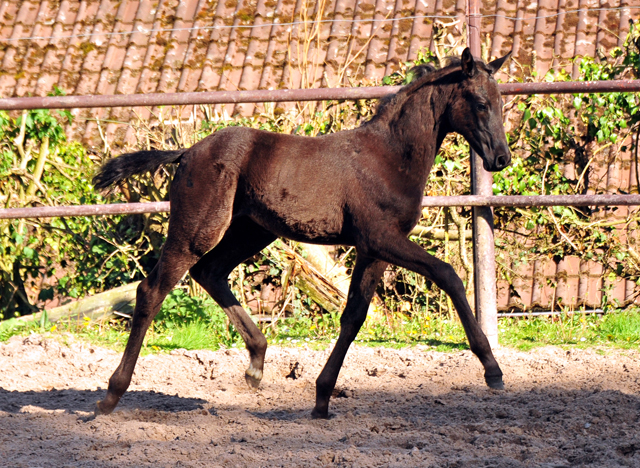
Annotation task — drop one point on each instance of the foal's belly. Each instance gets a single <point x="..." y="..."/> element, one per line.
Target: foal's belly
<point x="312" y="224"/>
<point x="301" y="198"/>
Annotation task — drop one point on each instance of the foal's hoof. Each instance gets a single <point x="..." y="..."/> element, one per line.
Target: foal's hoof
<point x="320" y="414"/>
<point x="101" y="409"/>
<point x="253" y="377"/>
<point x="495" y="382"/>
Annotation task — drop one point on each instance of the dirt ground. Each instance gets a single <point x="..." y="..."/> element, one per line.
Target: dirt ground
<point x="413" y="407"/>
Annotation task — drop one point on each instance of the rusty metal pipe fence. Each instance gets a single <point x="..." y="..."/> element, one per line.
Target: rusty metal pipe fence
<point x="486" y="309"/>
<point x="439" y="201"/>
<point x="482" y="228"/>
<point x="233" y="97"/>
<point x="290" y="95"/>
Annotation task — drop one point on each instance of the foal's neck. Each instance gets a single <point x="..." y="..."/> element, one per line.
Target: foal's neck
<point x="419" y="126"/>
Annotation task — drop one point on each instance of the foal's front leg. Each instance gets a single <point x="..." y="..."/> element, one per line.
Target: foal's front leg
<point x="366" y="275"/>
<point x="397" y="249"/>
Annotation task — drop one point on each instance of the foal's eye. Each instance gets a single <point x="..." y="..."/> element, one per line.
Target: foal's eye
<point x="481" y="107"/>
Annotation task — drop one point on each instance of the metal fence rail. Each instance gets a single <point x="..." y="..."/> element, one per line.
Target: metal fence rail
<point x="84" y="210"/>
<point x="456" y="200"/>
<point x="289" y="95"/>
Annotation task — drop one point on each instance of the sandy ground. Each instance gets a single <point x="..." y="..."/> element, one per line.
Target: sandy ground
<point x="404" y="408"/>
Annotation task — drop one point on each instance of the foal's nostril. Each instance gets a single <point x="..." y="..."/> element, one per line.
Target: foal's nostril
<point x="502" y="161"/>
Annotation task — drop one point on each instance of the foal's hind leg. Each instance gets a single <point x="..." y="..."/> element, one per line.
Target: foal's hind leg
<point x="242" y="240"/>
<point x="399" y="250"/>
<point x="366" y="275"/>
<point x="199" y="217"/>
<point x="174" y="262"/>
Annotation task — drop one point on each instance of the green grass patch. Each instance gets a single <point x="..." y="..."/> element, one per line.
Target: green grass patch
<point x="619" y="328"/>
<point x="386" y="330"/>
<point x="183" y="322"/>
<point x="191" y="323"/>
<point x="198" y="323"/>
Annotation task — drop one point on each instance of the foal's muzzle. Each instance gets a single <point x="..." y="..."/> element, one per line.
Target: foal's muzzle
<point x="501" y="161"/>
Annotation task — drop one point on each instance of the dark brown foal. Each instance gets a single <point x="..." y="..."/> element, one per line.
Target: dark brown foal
<point x="239" y="189"/>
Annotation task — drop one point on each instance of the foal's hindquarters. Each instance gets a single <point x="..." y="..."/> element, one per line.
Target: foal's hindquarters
<point x="202" y="238"/>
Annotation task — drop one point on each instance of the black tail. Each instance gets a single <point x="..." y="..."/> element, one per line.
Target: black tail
<point x="120" y="168"/>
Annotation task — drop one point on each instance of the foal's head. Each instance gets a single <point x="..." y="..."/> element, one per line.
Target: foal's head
<point x="476" y="111"/>
<point x="472" y="107"/>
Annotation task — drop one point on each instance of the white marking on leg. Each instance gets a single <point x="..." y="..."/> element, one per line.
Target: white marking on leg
<point x="253" y="372"/>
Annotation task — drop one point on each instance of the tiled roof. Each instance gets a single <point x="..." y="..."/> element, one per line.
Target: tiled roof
<point x="143" y="46"/>
<point x="106" y="46"/>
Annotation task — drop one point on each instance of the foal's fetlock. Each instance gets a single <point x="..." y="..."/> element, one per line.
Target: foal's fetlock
<point x="253" y="377"/>
<point x="494" y="381"/>
<point x="321" y="410"/>
<point x="102" y="408"/>
<point x="320" y="413"/>
<point x="114" y="393"/>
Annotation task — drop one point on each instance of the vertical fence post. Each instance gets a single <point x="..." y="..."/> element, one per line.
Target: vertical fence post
<point x="484" y="261"/>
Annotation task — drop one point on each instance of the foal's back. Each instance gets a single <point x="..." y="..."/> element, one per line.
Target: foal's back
<point x="278" y="179"/>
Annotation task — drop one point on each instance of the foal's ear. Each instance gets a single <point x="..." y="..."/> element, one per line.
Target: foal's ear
<point x="467" y="62"/>
<point x="495" y="65"/>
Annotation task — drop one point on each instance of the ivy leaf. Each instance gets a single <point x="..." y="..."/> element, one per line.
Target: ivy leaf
<point x="577" y="102"/>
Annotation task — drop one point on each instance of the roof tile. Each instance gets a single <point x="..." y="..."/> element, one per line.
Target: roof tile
<point x="421" y="30"/>
<point x="568" y="278"/>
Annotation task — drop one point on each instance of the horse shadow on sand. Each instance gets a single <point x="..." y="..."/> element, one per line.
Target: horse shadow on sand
<point x="77" y="401"/>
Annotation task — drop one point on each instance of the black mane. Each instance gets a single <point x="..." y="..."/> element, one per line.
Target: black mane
<point x="421" y="75"/>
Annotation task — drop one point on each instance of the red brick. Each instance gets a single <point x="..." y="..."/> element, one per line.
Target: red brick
<point x="521" y="284"/>
<point x="502" y="290"/>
